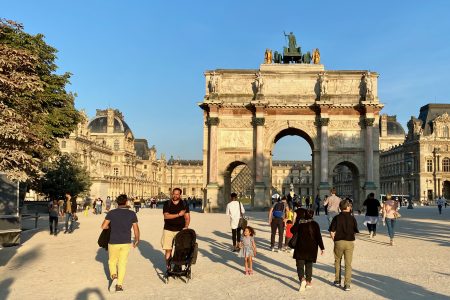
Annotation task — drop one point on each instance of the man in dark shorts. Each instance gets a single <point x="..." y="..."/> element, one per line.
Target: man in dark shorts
<point x="121" y="221"/>
<point x="176" y="218"/>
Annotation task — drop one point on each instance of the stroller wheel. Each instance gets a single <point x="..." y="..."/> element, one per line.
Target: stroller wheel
<point x="166" y="279"/>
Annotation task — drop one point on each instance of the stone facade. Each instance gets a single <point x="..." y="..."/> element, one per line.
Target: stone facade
<point x="244" y="119"/>
<point x="292" y="175"/>
<point x="420" y="167"/>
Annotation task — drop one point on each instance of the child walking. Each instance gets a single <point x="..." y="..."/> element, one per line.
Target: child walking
<point x="288" y="236"/>
<point x="248" y="249"/>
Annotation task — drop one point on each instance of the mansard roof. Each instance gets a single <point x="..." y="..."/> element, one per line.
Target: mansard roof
<point x="430" y="112"/>
<point x="142" y="149"/>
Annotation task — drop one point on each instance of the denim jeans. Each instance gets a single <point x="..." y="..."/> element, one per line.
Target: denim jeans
<point x="98" y="209"/>
<point x="390" y="223"/>
<point x="330" y="216"/>
<point x="69" y="218"/>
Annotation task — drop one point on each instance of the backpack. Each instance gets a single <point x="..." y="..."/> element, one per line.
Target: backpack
<point x="278" y="210"/>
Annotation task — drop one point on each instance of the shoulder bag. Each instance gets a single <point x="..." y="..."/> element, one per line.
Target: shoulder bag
<point x="103" y="239"/>
<point x="242" y="220"/>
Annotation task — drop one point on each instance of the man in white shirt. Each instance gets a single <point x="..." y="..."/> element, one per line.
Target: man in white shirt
<point x="235" y="209"/>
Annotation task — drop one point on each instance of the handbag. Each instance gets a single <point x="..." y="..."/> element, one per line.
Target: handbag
<point x="293" y="241"/>
<point x="243" y="221"/>
<point x="397" y="215"/>
<point x="103" y="239"/>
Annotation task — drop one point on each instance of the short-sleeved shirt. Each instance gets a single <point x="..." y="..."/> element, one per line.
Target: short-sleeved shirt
<point x="345" y="227"/>
<point x="178" y="223"/>
<point x="373" y="205"/>
<point x="121" y="221"/>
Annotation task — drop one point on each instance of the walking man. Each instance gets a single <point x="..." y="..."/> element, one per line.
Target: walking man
<point x="53" y="213"/>
<point x="176" y="218"/>
<point x="70" y="212"/>
<point x="332" y="203"/>
<point x="235" y="209"/>
<point x="120" y="221"/>
<point x="342" y="231"/>
<point x="277" y="214"/>
<point x="317" y="203"/>
<point x="440" y="202"/>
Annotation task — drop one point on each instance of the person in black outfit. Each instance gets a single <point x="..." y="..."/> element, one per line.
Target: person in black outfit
<point x="277" y="215"/>
<point x="176" y="218"/>
<point x="308" y="242"/>
<point x="317" y="204"/>
<point x="373" y="208"/>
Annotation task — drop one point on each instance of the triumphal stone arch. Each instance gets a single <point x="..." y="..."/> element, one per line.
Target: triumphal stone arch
<point x="247" y="111"/>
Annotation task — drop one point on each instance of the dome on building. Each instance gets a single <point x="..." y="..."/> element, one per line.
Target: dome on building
<point x="100" y="123"/>
<point x="394" y="128"/>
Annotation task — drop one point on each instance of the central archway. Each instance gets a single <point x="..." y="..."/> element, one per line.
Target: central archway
<point x="238" y="178"/>
<point x="294" y="177"/>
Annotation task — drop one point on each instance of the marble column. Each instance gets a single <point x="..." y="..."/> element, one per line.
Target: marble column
<point x="213" y="122"/>
<point x="259" y="201"/>
<point x="368" y="122"/>
<point x="259" y="159"/>
<point x="212" y="202"/>
<point x="324" y="151"/>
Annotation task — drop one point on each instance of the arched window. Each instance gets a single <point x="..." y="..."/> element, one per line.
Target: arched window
<point x="446" y="164"/>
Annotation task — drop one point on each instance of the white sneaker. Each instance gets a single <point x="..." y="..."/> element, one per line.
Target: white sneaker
<point x="302" y="286"/>
<point x="292" y="251"/>
<point x="272" y="249"/>
<point x="371" y="234"/>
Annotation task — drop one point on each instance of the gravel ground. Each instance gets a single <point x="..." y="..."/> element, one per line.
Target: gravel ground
<point x="71" y="266"/>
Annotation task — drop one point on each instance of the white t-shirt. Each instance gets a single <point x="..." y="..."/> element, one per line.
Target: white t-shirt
<point x="234" y="213"/>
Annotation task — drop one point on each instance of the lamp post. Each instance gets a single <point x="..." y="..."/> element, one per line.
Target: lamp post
<point x="170" y="163"/>
<point x="403" y="191"/>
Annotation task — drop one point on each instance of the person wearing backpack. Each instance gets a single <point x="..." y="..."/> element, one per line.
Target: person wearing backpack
<point x="277" y="214"/>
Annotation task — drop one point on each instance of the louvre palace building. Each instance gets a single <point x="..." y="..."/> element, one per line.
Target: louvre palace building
<point x="415" y="163"/>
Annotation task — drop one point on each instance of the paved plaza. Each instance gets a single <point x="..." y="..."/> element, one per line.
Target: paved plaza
<point x="71" y="266"/>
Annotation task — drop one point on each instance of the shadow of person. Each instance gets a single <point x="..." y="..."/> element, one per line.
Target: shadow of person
<point x="156" y="257"/>
<point x="102" y="257"/>
<point x="90" y="293"/>
<point x="5" y="287"/>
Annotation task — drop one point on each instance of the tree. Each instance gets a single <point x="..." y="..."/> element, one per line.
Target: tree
<point x="35" y="108"/>
<point x="65" y="174"/>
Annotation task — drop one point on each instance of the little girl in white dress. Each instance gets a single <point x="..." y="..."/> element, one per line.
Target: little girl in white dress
<point x="248" y="249"/>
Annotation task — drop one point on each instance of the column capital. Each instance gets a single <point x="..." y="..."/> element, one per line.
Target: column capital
<point x="368" y="122"/>
<point x="258" y="121"/>
<point x="323" y="121"/>
<point x="213" y="121"/>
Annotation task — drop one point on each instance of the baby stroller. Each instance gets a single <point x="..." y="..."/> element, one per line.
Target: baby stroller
<point x="185" y="255"/>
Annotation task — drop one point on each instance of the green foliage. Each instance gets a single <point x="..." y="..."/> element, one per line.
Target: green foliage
<point x="35" y="108"/>
<point x="65" y="174"/>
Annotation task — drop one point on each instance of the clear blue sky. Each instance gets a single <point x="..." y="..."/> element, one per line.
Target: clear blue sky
<point x="147" y="58"/>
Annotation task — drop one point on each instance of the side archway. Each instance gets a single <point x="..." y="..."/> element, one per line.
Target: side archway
<point x="345" y="177"/>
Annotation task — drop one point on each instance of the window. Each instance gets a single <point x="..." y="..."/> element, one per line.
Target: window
<point x="116" y="145"/>
<point x="116" y="172"/>
<point x="145" y="167"/>
<point x="429" y="165"/>
<point x="63" y="144"/>
<point x="445" y="132"/>
<point x="446" y="164"/>
<point x="184" y="191"/>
